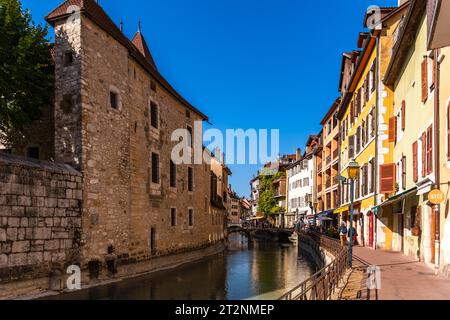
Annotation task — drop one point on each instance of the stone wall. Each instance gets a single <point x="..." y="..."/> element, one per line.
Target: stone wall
<point x="40" y="217"/>
<point x="315" y="253"/>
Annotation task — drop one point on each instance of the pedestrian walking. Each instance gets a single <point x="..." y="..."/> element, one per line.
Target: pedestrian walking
<point x="342" y="233"/>
<point x="354" y="235"/>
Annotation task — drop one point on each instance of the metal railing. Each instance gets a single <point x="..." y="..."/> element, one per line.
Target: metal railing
<point x="323" y="284"/>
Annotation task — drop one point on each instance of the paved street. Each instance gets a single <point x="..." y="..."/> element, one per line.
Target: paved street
<point x="403" y="278"/>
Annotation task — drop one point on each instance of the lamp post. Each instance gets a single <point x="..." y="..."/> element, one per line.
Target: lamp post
<point x="352" y="172"/>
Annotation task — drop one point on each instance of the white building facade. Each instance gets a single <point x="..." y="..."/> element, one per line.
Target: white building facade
<point x="300" y="188"/>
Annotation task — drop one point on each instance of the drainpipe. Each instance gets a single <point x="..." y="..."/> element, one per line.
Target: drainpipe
<point x="378" y="77"/>
<point x="437" y="158"/>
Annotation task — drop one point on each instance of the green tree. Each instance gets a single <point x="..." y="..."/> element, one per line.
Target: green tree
<point x="26" y="68"/>
<point x="267" y="203"/>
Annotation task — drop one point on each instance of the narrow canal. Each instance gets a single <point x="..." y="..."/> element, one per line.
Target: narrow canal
<point x="261" y="270"/>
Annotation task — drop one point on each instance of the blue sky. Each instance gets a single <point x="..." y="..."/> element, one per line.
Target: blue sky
<point x="260" y="64"/>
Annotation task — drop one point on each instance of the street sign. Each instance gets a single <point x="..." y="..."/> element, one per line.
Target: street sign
<point x="436" y="196"/>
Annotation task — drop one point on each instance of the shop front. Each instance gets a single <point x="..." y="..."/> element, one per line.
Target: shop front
<point x="398" y="224"/>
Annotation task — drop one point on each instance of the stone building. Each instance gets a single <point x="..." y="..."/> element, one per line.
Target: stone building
<point x="113" y="119"/>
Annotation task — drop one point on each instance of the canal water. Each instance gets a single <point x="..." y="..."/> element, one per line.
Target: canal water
<point x="255" y="270"/>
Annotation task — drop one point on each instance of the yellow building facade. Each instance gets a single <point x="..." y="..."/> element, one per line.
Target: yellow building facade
<point x="370" y="104"/>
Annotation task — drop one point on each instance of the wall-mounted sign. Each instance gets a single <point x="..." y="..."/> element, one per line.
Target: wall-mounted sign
<point x="436" y="196"/>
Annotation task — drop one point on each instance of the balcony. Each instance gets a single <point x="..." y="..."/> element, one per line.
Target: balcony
<point x="328" y="160"/>
<point x="319" y="188"/>
<point x="328" y="183"/>
<point x="319" y="165"/>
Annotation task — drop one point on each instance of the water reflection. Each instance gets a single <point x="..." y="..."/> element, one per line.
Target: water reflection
<point x="246" y="270"/>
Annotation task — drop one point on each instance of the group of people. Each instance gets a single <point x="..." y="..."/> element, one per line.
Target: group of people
<point x="345" y="233"/>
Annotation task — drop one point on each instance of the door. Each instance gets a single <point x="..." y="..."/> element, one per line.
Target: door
<point x="371" y="226"/>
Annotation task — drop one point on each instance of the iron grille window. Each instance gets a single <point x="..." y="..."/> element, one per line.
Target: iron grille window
<point x="154" y="115"/>
<point x="190" y="179"/>
<point x="155" y="168"/>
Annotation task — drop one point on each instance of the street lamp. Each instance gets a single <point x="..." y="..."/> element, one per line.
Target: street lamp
<point x="352" y="173"/>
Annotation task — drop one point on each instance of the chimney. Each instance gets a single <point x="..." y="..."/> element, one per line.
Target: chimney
<point x="298" y="154"/>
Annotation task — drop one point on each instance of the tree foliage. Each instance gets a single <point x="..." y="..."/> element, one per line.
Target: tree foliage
<point x="26" y="68"/>
<point x="267" y="203"/>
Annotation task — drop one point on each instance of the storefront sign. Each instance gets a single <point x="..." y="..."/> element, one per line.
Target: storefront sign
<point x="436" y="196"/>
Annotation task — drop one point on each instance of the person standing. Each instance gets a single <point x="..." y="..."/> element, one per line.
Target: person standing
<point x="342" y="233"/>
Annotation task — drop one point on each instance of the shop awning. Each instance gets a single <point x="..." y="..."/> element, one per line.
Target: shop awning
<point x="326" y="215"/>
<point x="398" y="197"/>
<point x="341" y="209"/>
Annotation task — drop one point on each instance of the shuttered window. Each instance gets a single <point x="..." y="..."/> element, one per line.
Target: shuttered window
<point x="403" y="172"/>
<point x="387" y="178"/>
<point x="430" y="150"/>
<point x="403" y="115"/>
<point x="374" y="78"/>
<point x="393" y="129"/>
<point x="351" y="147"/>
<point x="358" y="140"/>
<point x="352" y="112"/>
<point x="425" y="79"/>
<point x="372" y="118"/>
<point x="372" y="176"/>
<point x="415" y="162"/>
<point x="424" y="153"/>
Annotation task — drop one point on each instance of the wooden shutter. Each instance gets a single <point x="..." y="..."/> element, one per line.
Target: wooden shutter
<point x="387" y="178"/>
<point x="403" y="115"/>
<point x="374" y="77"/>
<point x="351" y="147"/>
<point x="433" y="72"/>
<point x="430" y="150"/>
<point x="424" y="153"/>
<point x="352" y="112"/>
<point x="392" y="129"/>
<point x="367" y="87"/>
<point x="373" y="126"/>
<point x="425" y="79"/>
<point x="415" y="162"/>
<point x="367" y="128"/>
<point x="403" y="172"/>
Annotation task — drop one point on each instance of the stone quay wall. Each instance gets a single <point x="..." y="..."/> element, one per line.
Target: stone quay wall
<point x="40" y="217"/>
<point x="315" y="253"/>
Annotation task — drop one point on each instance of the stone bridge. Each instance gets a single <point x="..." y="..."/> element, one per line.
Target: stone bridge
<point x="262" y="233"/>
